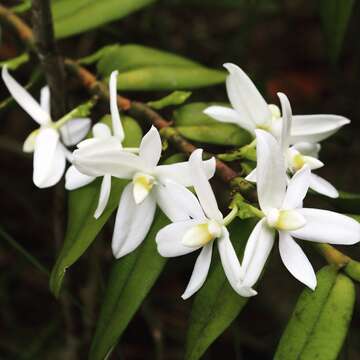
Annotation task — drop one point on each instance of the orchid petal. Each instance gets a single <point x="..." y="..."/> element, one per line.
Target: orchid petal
<point x="328" y="227"/>
<point x="308" y="149"/>
<point x="245" y="97"/>
<point x="296" y="261"/>
<point x="104" y="195"/>
<point x="169" y="239"/>
<point x="202" y="187"/>
<point x="251" y="176"/>
<point x="150" y="148"/>
<point x="227" y="115"/>
<point x="49" y="159"/>
<point x="182" y="173"/>
<point x="297" y="189"/>
<point x="115" y="115"/>
<point x="75" y="130"/>
<point x="132" y="222"/>
<point x="177" y="202"/>
<point x="24" y="99"/>
<point x="101" y="131"/>
<point x="45" y="99"/>
<point x="200" y="271"/>
<point x="270" y="171"/>
<point x="257" y="250"/>
<point x="74" y="179"/>
<point x="322" y="186"/>
<point x="286" y="121"/>
<point x="315" y="128"/>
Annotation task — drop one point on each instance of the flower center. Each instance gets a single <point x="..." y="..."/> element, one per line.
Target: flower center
<point x="285" y="219"/>
<point x="296" y="161"/>
<point x="143" y="184"/>
<point x="201" y="234"/>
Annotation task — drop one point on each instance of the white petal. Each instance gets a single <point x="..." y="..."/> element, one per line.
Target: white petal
<point x="229" y="260"/>
<point x="252" y="176"/>
<point x="314" y="128"/>
<point x="29" y="143"/>
<point x="75" y="130"/>
<point x="200" y="271"/>
<point x="177" y="202"/>
<point x="132" y="222"/>
<point x="203" y="188"/>
<point x="313" y="162"/>
<point x="103" y="157"/>
<point x="24" y="99"/>
<point x="101" y="131"/>
<point x="74" y="179"/>
<point x="226" y="115"/>
<point x="45" y="99"/>
<point x="297" y="189"/>
<point x="245" y="97"/>
<point x="181" y="172"/>
<point x="115" y="116"/>
<point x="49" y="159"/>
<point x="296" y="261"/>
<point x="322" y="186"/>
<point x="308" y="149"/>
<point x="328" y="227"/>
<point x="270" y="171"/>
<point x="286" y="121"/>
<point x="257" y="250"/>
<point x="150" y="148"/>
<point x="169" y="238"/>
<point x="104" y="195"/>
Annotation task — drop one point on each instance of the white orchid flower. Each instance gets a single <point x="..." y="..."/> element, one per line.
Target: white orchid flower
<point x="281" y="204"/>
<point x="74" y="179"/>
<point x="205" y="226"/>
<point x="299" y="155"/>
<point x="46" y="142"/>
<point x="151" y="184"/>
<point x="250" y="111"/>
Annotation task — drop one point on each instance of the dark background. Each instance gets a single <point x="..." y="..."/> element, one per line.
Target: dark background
<point x="280" y="44"/>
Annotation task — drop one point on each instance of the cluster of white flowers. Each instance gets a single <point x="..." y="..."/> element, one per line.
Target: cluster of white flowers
<point x="287" y="150"/>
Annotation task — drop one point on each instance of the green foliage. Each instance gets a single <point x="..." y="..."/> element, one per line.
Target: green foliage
<point x="75" y="17"/>
<point x="335" y="15"/>
<point x="347" y="202"/>
<point x="82" y="227"/>
<point x="130" y="281"/>
<point x="193" y="124"/>
<point x="320" y="321"/>
<point x="142" y="68"/>
<point x="15" y="62"/>
<point x="216" y="304"/>
<point x="175" y="98"/>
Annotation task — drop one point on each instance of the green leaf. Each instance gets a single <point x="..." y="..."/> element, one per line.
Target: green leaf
<point x="216" y="304"/>
<point x="320" y="321"/>
<point x="335" y="15"/>
<point x="193" y="124"/>
<point x="82" y="227"/>
<point x="130" y="281"/>
<point x="175" y="98"/>
<point x="16" y="62"/>
<point x="75" y="17"/>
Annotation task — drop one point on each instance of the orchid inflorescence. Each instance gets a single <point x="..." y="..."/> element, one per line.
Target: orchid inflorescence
<point x="287" y="152"/>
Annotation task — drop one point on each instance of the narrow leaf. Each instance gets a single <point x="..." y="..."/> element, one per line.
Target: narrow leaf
<point x="216" y="304"/>
<point x="320" y="321"/>
<point x="130" y="281"/>
<point x="82" y="227"/>
<point x="175" y="98"/>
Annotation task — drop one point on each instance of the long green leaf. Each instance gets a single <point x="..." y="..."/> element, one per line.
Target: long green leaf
<point x="216" y="305"/>
<point x="130" y="281"/>
<point x="82" y="227"/>
<point x="193" y="124"/>
<point x="335" y="15"/>
<point x="74" y="17"/>
<point x="320" y="321"/>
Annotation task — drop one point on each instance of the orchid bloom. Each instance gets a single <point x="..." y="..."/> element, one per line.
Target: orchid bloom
<point x="300" y="155"/>
<point x="281" y="202"/>
<point x="151" y="184"/>
<point x="74" y="179"/>
<point x="49" y="152"/>
<point x="250" y="111"/>
<point x="205" y="226"/>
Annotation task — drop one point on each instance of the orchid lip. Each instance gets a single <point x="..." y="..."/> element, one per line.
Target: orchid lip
<point x="288" y="220"/>
<point x="201" y="234"/>
<point x="143" y="183"/>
